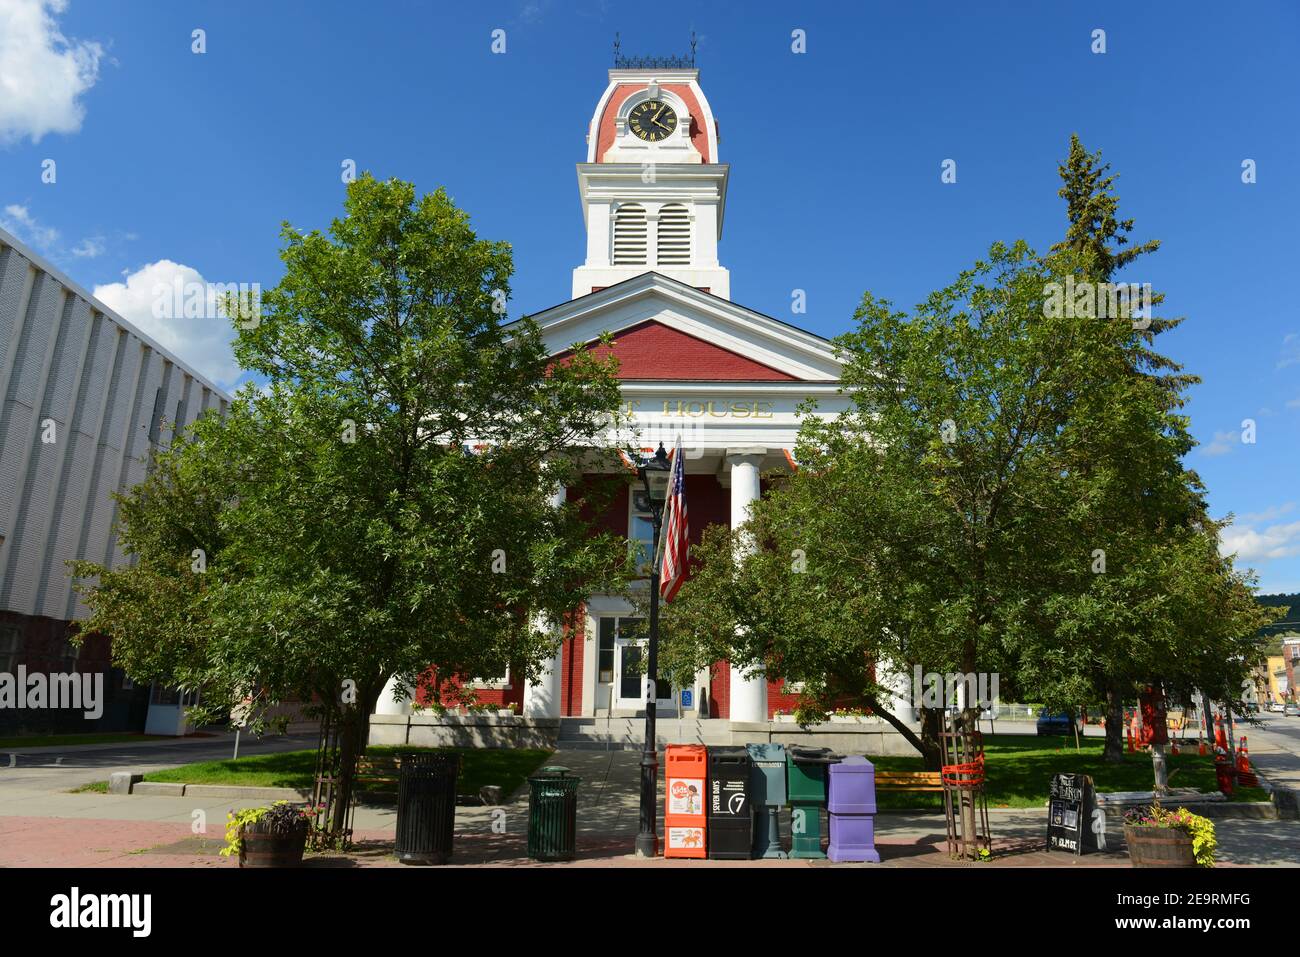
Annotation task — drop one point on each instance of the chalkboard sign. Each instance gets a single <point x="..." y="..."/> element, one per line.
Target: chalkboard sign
<point x="1074" y="822"/>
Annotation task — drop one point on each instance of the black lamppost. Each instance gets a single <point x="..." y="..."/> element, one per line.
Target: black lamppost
<point x="654" y="474"/>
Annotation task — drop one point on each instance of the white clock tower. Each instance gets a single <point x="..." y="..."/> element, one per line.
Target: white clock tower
<point x="653" y="191"/>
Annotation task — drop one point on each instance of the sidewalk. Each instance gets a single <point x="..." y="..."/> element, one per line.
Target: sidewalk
<point x="97" y="830"/>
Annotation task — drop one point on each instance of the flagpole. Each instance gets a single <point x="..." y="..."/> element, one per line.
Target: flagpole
<point x="647" y="838"/>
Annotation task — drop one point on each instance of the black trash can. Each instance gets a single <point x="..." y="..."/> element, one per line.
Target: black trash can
<point x="731" y="819"/>
<point x="426" y="806"/>
<point x="553" y="814"/>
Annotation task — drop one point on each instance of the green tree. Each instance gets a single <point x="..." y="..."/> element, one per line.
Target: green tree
<point x="932" y="513"/>
<point x="383" y="505"/>
<point x="1139" y="508"/>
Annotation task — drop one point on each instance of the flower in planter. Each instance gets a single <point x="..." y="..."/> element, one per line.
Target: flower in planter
<point x="1200" y="828"/>
<point x="278" y="818"/>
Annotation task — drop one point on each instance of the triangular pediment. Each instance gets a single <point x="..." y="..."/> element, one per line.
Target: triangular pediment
<point x="651" y="350"/>
<point x="666" y="330"/>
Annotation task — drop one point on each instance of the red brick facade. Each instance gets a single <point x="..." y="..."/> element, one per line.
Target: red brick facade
<point x="652" y="351"/>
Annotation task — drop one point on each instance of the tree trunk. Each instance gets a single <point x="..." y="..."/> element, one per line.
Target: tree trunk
<point x="1160" y="768"/>
<point x="908" y="734"/>
<point x="931" y="724"/>
<point x="1114" y="750"/>
<point x="354" y="735"/>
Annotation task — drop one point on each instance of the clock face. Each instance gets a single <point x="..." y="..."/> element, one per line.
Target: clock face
<point x="652" y="120"/>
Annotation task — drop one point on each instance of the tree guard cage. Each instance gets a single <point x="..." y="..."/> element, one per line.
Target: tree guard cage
<point x="964" y="801"/>
<point x="325" y="791"/>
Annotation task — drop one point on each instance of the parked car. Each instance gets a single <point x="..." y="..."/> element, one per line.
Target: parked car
<point x="1292" y="710"/>
<point x="1276" y="707"/>
<point x="1055" y="722"/>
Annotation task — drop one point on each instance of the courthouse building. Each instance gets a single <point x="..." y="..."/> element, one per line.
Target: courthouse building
<point x="728" y="378"/>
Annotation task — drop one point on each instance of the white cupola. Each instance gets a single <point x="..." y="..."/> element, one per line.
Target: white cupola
<point x="653" y="192"/>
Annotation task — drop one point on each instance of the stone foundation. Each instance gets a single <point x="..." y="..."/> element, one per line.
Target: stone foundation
<point x="464" y="731"/>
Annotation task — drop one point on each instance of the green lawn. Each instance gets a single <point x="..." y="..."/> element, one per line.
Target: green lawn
<point x="296" y="769"/>
<point x="57" y="740"/>
<point x="1020" y="768"/>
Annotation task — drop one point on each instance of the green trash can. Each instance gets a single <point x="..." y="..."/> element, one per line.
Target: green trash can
<point x="553" y="814"/>
<point x="807" y="796"/>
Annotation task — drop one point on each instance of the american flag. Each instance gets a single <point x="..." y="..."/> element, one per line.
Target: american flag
<point x="676" y="529"/>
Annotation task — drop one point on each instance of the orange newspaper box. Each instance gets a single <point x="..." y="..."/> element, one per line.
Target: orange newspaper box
<point x="685" y="770"/>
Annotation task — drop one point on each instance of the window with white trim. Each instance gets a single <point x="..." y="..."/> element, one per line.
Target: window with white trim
<point x="640" y="528"/>
<point x="499" y="683"/>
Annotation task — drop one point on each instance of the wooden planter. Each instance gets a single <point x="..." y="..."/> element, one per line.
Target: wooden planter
<point x="259" y="848"/>
<point x="1159" y="846"/>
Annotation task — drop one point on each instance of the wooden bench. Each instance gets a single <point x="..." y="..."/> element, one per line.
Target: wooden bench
<point x="377" y="775"/>
<point x="908" y="781"/>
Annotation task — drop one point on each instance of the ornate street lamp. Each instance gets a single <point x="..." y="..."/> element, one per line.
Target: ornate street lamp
<point x="654" y="473"/>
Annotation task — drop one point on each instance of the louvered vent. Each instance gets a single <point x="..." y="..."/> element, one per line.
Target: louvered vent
<point x="674" y="245"/>
<point x="630" y="236"/>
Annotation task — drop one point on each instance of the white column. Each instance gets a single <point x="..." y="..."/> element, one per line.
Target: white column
<point x="748" y="690"/>
<point x="390" y="702"/>
<point x="542" y="696"/>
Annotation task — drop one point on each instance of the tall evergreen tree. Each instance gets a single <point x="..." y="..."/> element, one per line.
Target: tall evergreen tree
<point x="1139" y="507"/>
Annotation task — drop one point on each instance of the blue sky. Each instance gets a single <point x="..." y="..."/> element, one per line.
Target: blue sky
<point x="174" y="162"/>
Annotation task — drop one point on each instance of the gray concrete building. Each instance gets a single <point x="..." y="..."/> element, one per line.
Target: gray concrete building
<point x="84" y="398"/>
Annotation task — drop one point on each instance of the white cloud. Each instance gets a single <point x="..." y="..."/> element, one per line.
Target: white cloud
<point x="23" y="224"/>
<point x="148" y="299"/>
<point x="1251" y="544"/>
<point x="89" y="248"/>
<point x="1222" y="444"/>
<point x="1270" y="514"/>
<point x="1290" y="350"/>
<point x="42" y="72"/>
<point x="1294" y="403"/>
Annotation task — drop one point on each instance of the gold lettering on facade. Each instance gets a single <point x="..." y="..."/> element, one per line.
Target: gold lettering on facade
<point x="719" y="409"/>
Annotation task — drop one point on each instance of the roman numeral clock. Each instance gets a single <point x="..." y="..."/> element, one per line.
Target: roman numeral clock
<point x="652" y="120"/>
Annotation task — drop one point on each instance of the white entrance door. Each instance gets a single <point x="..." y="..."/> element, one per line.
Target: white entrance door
<point x="631" y="684"/>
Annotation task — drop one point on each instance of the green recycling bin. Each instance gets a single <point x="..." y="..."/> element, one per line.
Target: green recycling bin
<point x="553" y="814"/>
<point x="806" y="782"/>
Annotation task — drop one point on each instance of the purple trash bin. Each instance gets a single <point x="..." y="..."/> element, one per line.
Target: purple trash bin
<point x="852" y="807"/>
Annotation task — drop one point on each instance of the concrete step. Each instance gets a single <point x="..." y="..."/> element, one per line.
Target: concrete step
<point x="608" y="733"/>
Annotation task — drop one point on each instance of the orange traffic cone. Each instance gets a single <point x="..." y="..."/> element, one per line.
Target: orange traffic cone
<point x="1245" y="776"/>
<point x="1220" y="738"/>
<point x="1173" y="746"/>
<point x="1201" y="750"/>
